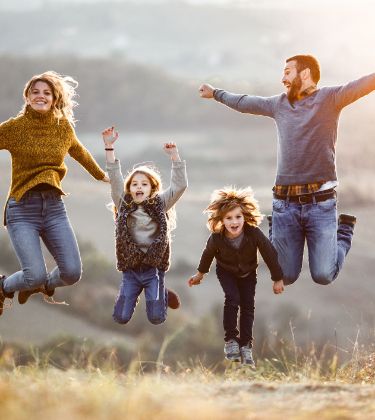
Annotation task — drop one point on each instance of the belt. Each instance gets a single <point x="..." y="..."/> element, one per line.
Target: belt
<point x="51" y="193"/>
<point x="308" y="198"/>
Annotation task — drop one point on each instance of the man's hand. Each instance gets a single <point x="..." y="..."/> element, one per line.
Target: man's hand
<point x="278" y="287"/>
<point x="171" y="150"/>
<point x="110" y="135"/>
<point x="206" y="91"/>
<point x="196" y="279"/>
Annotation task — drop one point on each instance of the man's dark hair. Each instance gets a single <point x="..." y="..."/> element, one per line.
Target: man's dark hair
<point x="307" y="62"/>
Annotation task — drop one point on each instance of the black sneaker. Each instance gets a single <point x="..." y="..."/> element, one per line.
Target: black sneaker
<point x="232" y="351"/>
<point x="23" y="295"/>
<point x="247" y="356"/>
<point x="347" y="219"/>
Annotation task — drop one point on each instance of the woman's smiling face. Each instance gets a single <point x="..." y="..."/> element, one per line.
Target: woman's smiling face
<point x="40" y="97"/>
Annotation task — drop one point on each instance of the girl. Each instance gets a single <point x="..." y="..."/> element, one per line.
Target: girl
<point x="144" y="218"/>
<point x="233" y="217"/>
<point x="38" y="139"/>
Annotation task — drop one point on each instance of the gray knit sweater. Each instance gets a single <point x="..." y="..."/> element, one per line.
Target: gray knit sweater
<point x="306" y="130"/>
<point x="142" y="228"/>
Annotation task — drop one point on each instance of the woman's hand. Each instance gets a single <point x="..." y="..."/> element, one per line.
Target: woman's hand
<point x="110" y="135"/>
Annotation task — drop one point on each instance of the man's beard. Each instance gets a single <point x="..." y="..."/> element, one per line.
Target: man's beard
<point x="294" y="89"/>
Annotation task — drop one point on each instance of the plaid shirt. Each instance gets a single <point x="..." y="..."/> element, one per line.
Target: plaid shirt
<point x="292" y="190"/>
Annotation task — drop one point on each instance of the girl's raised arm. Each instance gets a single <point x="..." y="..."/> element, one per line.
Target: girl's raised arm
<point x="110" y="135"/>
<point x="178" y="183"/>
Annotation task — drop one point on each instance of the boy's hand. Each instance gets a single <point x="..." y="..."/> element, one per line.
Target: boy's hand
<point x="195" y="280"/>
<point x="206" y="91"/>
<point x="278" y="287"/>
<point x="110" y="135"/>
<point x="171" y="150"/>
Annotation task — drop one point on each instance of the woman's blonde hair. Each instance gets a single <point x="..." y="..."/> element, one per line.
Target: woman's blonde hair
<point x="227" y="199"/>
<point x="154" y="177"/>
<point x="63" y="90"/>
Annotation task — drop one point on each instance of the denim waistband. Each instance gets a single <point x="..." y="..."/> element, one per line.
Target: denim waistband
<point x="52" y="193"/>
<point x="142" y="267"/>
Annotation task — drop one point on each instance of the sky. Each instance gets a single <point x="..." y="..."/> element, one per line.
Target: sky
<point x="259" y="4"/>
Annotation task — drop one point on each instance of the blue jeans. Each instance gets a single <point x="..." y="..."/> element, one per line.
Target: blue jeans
<point x="41" y="215"/>
<point x="146" y="278"/>
<point x="327" y="243"/>
<point x="239" y="294"/>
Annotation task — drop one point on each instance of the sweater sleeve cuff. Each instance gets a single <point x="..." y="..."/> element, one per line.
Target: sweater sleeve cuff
<point x="203" y="270"/>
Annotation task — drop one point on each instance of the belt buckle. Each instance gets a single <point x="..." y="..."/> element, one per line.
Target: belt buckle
<point x="301" y="199"/>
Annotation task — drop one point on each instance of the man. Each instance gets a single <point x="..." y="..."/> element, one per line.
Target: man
<point x="304" y="204"/>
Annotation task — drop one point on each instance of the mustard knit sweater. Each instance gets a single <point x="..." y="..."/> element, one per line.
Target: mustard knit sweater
<point x="38" y="144"/>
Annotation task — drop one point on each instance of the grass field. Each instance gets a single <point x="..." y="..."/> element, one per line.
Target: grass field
<point x="300" y="387"/>
<point x="31" y="393"/>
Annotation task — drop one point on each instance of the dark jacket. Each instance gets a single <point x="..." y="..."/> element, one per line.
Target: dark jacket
<point x="242" y="261"/>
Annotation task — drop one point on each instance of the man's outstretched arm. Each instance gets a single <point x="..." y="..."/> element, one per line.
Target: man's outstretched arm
<point x="352" y="91"/>
<point x="249" y="104"/>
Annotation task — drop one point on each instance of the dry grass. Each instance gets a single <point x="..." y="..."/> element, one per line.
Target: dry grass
<point x="187" y="393"/>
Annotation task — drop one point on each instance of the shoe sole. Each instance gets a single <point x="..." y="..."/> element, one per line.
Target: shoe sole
<point x="247" y="366"/>
<point x="235" y="360"/>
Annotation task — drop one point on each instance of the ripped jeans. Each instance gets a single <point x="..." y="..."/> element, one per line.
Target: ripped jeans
<point x="146" y="278"/>
<point x="328" y="242"/>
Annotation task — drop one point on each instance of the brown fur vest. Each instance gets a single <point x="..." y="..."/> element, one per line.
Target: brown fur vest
<point x="128" y="254"/>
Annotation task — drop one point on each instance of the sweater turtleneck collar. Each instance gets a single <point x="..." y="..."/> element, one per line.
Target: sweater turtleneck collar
<point x="42" y="117"/>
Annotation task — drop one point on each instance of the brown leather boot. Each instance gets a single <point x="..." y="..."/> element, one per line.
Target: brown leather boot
<point x="347" y="219"/>
<point x="3" y="295"/>
<point x="173" y="299"/>
<point x="23" y="295"/>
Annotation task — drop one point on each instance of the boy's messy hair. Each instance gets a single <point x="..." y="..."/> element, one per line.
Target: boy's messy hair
<point x="227" y="199"/>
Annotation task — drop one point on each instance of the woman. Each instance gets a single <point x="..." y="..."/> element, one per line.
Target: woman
<point x="38" y="139"/>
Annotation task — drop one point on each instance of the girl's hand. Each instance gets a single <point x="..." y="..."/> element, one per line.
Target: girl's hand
<point x="195" y="280"/>
<point x="110" y="135"/>
<point x="171" y="150"/>
<point x="278" y="287"/>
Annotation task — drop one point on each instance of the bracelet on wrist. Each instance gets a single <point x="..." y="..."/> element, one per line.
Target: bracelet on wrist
<point x="108" y="148"/>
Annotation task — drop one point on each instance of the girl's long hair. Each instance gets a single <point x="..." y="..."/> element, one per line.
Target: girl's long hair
<point x="153" y="175"/>
<point x="227" y="199"/>
<point x="63" y="90"/>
